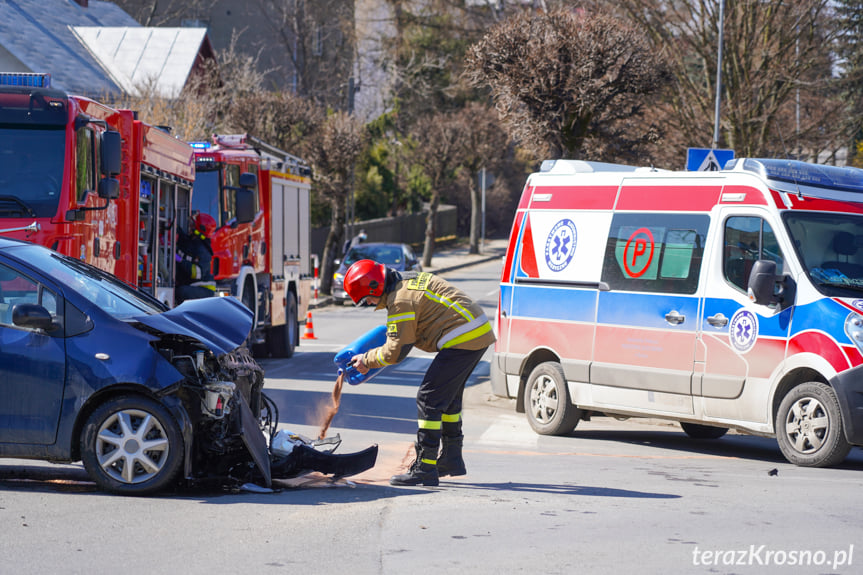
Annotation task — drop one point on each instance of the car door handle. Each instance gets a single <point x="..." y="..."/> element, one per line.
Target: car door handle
<point x="718" y="320"/>
<point x="674" y="318"/>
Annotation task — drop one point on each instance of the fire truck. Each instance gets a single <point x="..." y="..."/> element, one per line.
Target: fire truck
<point x="259" y="197"/>
<point x="92" y="182"/>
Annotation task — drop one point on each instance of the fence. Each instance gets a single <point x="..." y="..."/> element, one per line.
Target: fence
<point x="409" y="229"/>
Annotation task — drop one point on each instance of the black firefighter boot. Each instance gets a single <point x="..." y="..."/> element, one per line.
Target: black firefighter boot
<point x="422" y="471"/>
<point x="450" y="461"/>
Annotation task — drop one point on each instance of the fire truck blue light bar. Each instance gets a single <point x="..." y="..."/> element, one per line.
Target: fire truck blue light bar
<point x="24" y="79"/>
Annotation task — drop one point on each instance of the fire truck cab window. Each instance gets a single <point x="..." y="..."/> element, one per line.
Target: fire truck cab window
<point x="254" y="169"/>
<point x="85" y="162"/>
<point x="232" y="182"/>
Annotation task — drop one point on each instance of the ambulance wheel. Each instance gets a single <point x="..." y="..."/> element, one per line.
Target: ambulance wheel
<point x="283" y="339"/>
<point x="132" y="445"/>
<point x="546" y="401"/>
<point x="696" y="431"/>
<point x="809" y="427"/>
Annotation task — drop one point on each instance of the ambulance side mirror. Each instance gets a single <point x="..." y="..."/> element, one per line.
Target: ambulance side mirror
<point x="766" y="288"/>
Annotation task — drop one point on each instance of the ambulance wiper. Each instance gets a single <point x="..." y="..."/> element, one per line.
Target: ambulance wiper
<point x="841" y="285"/>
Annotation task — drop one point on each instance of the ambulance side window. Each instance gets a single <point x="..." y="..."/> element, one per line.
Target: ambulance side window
<point x="748" y="239"/>
<point x="659" y="253"/>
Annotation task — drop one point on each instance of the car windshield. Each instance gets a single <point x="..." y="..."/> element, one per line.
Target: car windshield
<point x="830" y="247"/>
<point x="389" y="255"/>
<point x="102" y="289"/>
<point x="31" y="170"/>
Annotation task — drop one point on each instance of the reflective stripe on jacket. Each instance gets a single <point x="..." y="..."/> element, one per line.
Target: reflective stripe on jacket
<point x="431" y="314"/>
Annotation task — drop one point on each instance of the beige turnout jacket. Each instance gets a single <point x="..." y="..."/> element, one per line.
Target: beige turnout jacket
<point x="431" y="314"/>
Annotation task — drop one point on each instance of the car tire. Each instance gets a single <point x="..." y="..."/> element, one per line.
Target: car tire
<point x="809" y="427"/>
<point x="132" y="445"/>
<point x="283" y="339"/>
<point x="546" y="401"/>
<point x="696" y="431"/>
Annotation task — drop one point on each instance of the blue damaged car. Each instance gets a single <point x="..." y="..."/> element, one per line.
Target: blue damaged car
<point x="93" y="370"/>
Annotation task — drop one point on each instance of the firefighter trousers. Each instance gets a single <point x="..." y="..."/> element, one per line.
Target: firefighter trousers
<point x="439" y="399"/>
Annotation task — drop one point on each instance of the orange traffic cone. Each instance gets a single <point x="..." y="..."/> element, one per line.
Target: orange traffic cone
<point x="309" y="333"/>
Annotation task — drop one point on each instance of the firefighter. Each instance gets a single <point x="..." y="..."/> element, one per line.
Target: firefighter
<point x="425" y="311"/>
<point x="194" y="256"/>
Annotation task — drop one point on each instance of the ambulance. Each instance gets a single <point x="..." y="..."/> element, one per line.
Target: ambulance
<point x="720" y="300"/>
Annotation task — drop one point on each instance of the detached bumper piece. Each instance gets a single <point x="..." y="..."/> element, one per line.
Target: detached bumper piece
<point x="292" y="455"/>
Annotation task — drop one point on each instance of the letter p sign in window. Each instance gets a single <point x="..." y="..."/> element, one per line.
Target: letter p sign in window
<point x="638" y="252"/>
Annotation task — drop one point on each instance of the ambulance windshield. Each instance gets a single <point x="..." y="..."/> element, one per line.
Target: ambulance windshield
<point x="830" y="247"/>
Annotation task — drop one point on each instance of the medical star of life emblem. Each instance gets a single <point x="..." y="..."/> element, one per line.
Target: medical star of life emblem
<point x="560" y="245"/>
<point x="743" y="330"/>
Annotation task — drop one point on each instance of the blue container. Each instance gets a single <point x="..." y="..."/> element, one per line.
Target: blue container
<point x="370" y="340"/>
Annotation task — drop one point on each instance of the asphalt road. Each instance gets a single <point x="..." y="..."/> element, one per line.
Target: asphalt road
<point x="635" y="496"/>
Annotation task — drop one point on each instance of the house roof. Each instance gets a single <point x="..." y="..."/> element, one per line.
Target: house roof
<point x="37" y="33"/>
<point x="100" y="50"/>
<point x="135" y="57"/>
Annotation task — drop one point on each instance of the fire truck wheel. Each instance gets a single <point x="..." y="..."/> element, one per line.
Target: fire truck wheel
<point x="132" y="445"/>
<point x="696" y="431"/>
<point x="809" y="426"/>
<point x="546" y="401"/>
<point x="283" y="339"/>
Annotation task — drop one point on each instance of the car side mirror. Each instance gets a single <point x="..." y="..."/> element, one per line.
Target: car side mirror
<point x="766" y="288"/>
<point x="32" y="316"/>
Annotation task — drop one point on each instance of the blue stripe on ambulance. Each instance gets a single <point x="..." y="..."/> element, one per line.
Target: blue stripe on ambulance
<point x="768" y="326"/>
<point x="552" y="303"/>
<point x="824" y="315"/>
<point x="646" y="310"/>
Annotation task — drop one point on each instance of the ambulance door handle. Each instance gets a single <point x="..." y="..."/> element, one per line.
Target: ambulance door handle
<point x="674" y="318"/>
<point x="718" y="320"/>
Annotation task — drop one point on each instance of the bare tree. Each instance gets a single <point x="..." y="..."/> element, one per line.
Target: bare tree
<point x="484" y="143"/>
<point x="776" y="63"/>
<point x="332" y="151"/>
<point x="163" y="12"/>
<point x="565" y="78"/>
<point x="206" y="100"/>
<point x="282" y="119"/>
<point x="313" y="44"/>
<point x="439" y="145"/>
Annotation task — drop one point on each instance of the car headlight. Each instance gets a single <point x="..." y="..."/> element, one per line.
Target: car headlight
<point x="339" y="280"/>
<point x="854" y="329"/>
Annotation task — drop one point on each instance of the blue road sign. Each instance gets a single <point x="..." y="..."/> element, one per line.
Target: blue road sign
<point x="707" y="159"/>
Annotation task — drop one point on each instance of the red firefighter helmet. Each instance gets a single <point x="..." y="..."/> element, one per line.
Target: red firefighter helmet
<point x="365" y="278"/>
<point x="205" y="224"/>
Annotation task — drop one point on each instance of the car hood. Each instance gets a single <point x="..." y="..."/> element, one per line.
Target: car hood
<point x="220" y="323"/>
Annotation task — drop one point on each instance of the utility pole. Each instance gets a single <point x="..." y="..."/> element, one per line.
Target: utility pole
<point x="718" y="75"/>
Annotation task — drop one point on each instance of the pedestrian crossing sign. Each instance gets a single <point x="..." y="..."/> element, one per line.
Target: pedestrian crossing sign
<point x="707" y="159"/>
